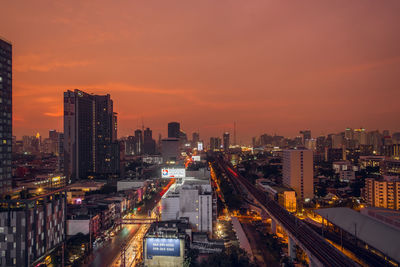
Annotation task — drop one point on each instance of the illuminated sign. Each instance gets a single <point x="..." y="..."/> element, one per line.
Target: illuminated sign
<point x="196" y="158"/>
<point x="163" y="247"/>
<point x="173" y="173"/>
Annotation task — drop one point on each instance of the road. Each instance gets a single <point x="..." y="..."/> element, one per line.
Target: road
<point x="106" y="254"/>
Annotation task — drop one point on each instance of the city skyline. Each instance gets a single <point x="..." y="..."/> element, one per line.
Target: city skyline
<point x="279" y="69"/>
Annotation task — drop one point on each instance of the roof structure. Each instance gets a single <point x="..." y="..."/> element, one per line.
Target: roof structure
<point x="381" y="236"/>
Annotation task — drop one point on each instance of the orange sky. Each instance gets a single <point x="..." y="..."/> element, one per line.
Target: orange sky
<point x="273" y="66"/>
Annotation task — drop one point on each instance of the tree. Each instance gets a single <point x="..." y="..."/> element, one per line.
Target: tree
<point x="233" y="256"/>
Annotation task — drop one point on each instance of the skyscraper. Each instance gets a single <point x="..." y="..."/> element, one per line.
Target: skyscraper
<point x="226" y="140"/>
<point x="149" y="145"/>
<point x="174" y="129"/>
<point x="90" y="145"/>
<point x="195" y="139"/>
<point x="215" y="143"/>
<point x="298" y="171"/>
<point x="138" y="142"/>
<point x="5" y="115"/>
<point x="306" y="135"/>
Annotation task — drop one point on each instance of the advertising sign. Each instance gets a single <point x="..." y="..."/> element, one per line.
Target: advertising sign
<point x="196" y="158"/>
<point x="173" y="173"/>
<point x="163" y="247"/>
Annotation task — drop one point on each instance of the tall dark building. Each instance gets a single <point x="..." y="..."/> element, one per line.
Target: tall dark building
<point x="138" y="142"/>
<point x="174" y="129"/>
<point x="226" y="140"/>
<point x="149" y="145"/>
<point x="90" y="145"/>
<point x="5" y="115"/>
<point x="130" y="144"/>
<point x="215" y="143"/>
<point x="306" y="135"/>
<point x="195" y="139"/>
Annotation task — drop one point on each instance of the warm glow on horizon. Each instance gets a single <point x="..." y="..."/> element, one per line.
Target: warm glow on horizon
<point x="271" y="66"/>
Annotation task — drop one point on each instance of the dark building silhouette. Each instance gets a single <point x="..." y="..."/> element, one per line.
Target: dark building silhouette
<point x="149" y="144"/>
<point x="130" y="144"/>
<point x="215" y="143"/>
<point x="226" y="140"/>
<point x="5" y="115"/>
<point x="90" y="138"/>
<point x="306" y="135"/>
<point x="138" y="142"/>
<point x="195" y="139"/>
<point x="174" y="129"/>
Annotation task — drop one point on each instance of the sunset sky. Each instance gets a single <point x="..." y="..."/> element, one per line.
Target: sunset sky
<point x="272" y="66"/>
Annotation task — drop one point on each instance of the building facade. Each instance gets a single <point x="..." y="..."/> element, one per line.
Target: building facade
<point x="226" y="141"/>
<point x="5" y="115"/>
<point x="383" y="192"/>
<point x="90" y="145"/>
<point x="31" y="228"/>
<point x="174" y="129"/>
<point x="298" y="172"/>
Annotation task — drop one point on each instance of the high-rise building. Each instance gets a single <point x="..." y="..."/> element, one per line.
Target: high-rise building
<point x="195" y="139"/>
<point x="306" y="135"/>
<point x="60" y="142"/>
<point x="383" y="192"/>
<point x="298" y="172"/>
<point x="53" y="142"/>
<point x="174" y="129"/>
<point x="5" y="115"/>
<point x="90" y="145"/>
<point x="138" y="142"/>
<point x="130" y="144"/>
<point x="226" y="140"/>
<point x="215" y="143"/>
<point x="192" y="199"/>
<point x="149" y="144"/>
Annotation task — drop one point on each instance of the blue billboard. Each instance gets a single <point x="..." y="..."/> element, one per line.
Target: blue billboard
<point x="163" y="247"/>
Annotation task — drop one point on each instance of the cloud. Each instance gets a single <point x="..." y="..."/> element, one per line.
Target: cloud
<point x="54" y="114"/>
<point x="36" y="63"/>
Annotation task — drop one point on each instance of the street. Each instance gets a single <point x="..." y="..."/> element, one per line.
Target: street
<point x="109" y="252"/>
<point x="104" y="255"/>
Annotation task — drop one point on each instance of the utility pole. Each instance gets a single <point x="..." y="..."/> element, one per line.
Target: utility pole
<point x="123" y="257"/>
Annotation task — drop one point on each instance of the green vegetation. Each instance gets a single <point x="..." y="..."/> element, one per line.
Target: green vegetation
<point x="232" y="200"/>
<point x="233" y="256"/>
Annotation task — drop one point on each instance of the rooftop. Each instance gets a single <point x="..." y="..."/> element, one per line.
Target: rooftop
<point x="376" y="234"/>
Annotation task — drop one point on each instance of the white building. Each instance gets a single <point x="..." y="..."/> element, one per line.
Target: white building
<point x="192" y="199"/>
<point x="298" y="171"/>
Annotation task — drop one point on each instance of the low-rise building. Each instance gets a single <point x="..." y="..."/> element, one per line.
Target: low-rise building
<point x="285" y="196"/>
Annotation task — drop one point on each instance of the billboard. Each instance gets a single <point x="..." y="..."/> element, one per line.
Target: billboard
<point x="196" y="158"/>
<point x="173" y="173"/>
<point x="163" y="247"/>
